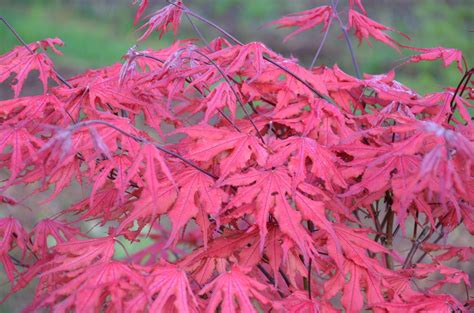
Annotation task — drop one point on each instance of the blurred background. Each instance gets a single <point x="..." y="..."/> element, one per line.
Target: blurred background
<point x="98" y="32"/>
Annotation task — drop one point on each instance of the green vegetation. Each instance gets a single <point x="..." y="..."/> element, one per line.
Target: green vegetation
<point x="90" y="40"/>
<point x="97" y="34"/>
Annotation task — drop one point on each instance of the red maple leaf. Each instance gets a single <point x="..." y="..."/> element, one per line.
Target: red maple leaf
<point x="359" y="5"/>
<point x="305" y="20"/>
<point x="104" y="284"/>
<point x="235" y="287"/>
<point x="447" y="55"/>
<point x="168" y="290"/>
<point x="22" y="61"/>
<point x="143" y="4"/>
<point x="364" y="27"/>
<point x="197" y="198"/>
<point x="11" y="234"/>
<point x="23" y="148"/>
<point x="300" y="150"/>
<point x="270" y="191"/>
<point x="231" y="148"/>
<point x="161" y="19"/>
<point x="58" y="230"/>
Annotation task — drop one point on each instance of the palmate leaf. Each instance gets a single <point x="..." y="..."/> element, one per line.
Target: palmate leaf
<point x="22" y="61"/>
<point x="232" y="291"/>
<point x="271" y="190"/>
<point x="23" y="148"/>
<point x="305" y="20"/>
<point x="104" y="284"/>
<point x="167" y="290"/>
<point x="300" y="302"/>
<point x="60" y="231"/>
<point x="359" y="5"/>
<point x="12" y="234"/>
<point x="161" y="19"/>
<point x="439" y="303"/>
<point x="447" y="55"/>
<point x="365" y="27"/>
<point x="220" y="97"/>
<point x="96" y="91"/>
<point x="231" y="148"/>
<point x="197" y="198"/>
<point x="298" y="150"/>
<point x="77" y="254"/>
<point x="31" y="108"/>
<point x="244" y="58"/>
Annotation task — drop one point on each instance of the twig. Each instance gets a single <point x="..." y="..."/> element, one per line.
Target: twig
<point x="270" y="278"/>
<point x="309" y="278"/>
<point x="463" y="82"/>
<point x="196" y="29"/>
<point x="416" y="243"/>
<point x="321" y="44"/>
<point x="285" y="278"/>
<point x="440" y="236"/>
<point x="348" y="40"/>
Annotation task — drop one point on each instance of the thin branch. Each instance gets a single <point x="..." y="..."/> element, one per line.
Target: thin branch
<point x="270" y="278"/>
<point x="440" y="236"/>
<point x="415" y="244"/>
<point x="206" y="21"/>
<point x="389" y="236"/>
<point x="415" y="226"/>
<point x="375" y="215"/>
<point x="16" y="34"/>
<point x="196" y="29"/>
<point x="304" y="82"/>
<point x="285" y="278"/>
<point x="17" y="262"/>
<point x="348" y="40"/>
<point x="321" y="44"/>
<point x="463" y="82"/>
<point x="309" y="278"/>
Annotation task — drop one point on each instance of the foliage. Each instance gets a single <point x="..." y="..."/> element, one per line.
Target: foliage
<point x="261" y="185"/>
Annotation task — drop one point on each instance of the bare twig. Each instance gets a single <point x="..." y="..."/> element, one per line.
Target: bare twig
<point x="415" y="245"/>
<point x="196" y="29"/>
<point x="316" y="56"/>
<point x="348" y="40"/>
<point x="309" y="278"/>
<point x="463" y="82"/>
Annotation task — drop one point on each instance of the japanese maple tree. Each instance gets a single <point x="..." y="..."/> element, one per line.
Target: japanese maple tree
<point x="260" y="184"/>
